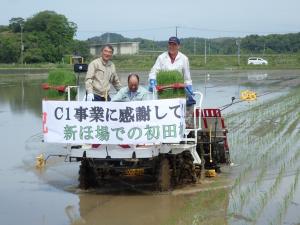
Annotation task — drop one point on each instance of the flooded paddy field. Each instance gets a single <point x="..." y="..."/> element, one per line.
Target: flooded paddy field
<point x="260" y="187"/>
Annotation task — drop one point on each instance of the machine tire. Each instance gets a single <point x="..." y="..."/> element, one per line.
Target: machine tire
<point x="189" y="167"/>
<point x="87" y="176"/>
<point x="164" y="175"/>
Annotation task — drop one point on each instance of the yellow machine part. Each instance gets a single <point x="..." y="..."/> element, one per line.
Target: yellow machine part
<point x="40" y="161"/>
<point x="248" y="95"/>
<point x="134" y="172"/>
<point x="210" y="173"/>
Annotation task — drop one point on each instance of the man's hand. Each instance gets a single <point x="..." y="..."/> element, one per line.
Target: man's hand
<point x="90" y="97"/>
<point x="152" y="85"/>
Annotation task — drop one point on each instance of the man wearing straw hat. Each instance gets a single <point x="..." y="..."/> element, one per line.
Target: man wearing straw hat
<point x="101" y="73"/>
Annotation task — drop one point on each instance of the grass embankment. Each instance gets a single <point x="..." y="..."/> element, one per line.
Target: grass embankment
<point x="213" y="62"/>
<point x="29" y="69"/>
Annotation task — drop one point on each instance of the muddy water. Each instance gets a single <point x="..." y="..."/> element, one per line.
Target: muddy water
<point x="50" y="196"/>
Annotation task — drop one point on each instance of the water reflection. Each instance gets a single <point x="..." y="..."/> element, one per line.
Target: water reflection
<point x="257" y="77"/>
<point x="127" y="208"/>
<point x="22" y="95"/>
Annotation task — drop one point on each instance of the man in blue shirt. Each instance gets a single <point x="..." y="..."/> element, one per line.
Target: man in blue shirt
<point x="133" y="92"/>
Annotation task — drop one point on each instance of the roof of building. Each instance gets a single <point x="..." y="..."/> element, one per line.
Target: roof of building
<point x="115" y="43"/>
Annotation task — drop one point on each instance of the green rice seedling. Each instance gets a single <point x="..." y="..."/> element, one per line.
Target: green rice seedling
<point x="253" y="214"/>
<point x="168" y="78"/>
<point x="60" y="77"/>
<point x="288" y="198"/>
<point x="245" y="196"/>
<point x="242" y="198"/>
<point x="264" y="200"/>
<point x="237" y="181"/>
<point x="297" y="178"/>
<point x="278" y="179"/>
<point x="233" y="207"/>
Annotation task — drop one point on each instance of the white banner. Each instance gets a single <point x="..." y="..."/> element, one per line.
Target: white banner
<point x="138" y="122"/>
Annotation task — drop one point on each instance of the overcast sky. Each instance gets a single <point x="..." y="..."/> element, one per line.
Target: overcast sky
<point x="157" y="19"/>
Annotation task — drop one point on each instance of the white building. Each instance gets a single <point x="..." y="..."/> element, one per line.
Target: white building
<point x="121" y="48"/>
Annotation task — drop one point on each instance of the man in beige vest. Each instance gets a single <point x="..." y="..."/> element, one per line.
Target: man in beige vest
<point x="101" y="73"/>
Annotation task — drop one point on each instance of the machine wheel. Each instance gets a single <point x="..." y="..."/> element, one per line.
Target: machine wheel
<point x="164" y="175"/>
<point x="189" y="167"/>
<point x="87" y="176"/>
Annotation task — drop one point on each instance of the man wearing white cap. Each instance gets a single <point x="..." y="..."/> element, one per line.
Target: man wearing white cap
<point x="173" y="60"/>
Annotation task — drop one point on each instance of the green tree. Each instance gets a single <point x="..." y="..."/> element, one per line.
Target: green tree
<point x="80" y="48"/>
<point x="54" y="34"/>
<point x="9" y="48"/>
<point x="15" y="24"/>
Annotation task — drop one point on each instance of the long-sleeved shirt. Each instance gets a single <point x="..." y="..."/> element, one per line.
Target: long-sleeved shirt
<point x="164" y="62"/>
<point x="99" y="77"/>
<point x="125" y="95"/>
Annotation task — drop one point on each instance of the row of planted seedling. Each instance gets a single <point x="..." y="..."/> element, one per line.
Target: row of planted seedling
<point x="261" y="199"/>
<point x="258" y="172"/>
<point x="266" y="151"/>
